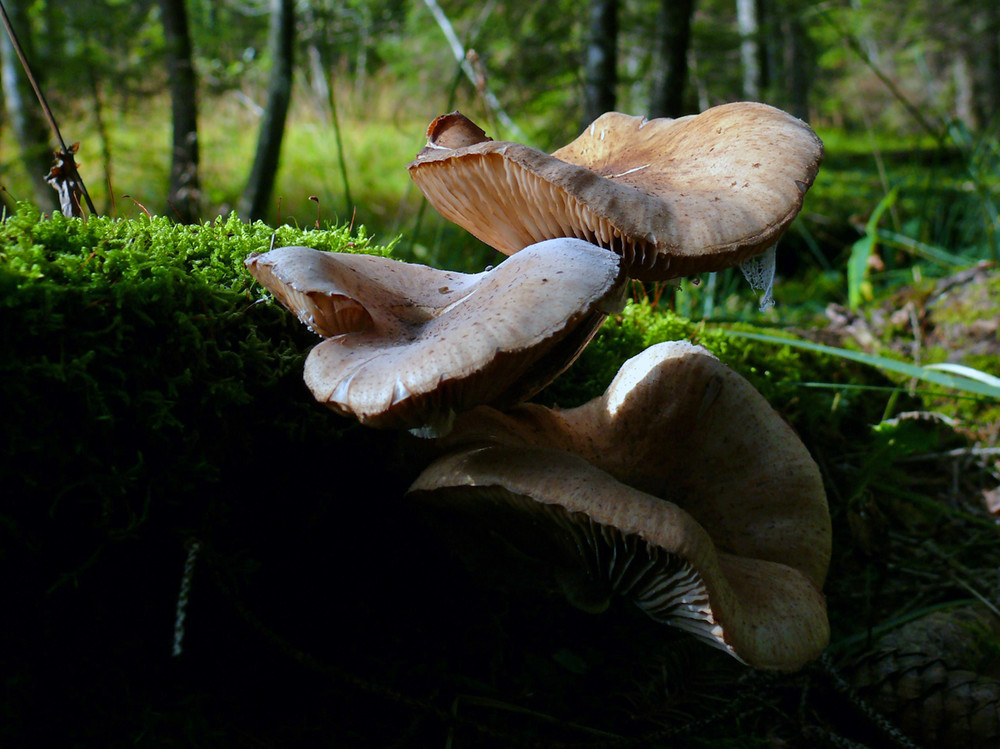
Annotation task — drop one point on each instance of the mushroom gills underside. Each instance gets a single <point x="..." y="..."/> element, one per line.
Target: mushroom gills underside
<point x="324" y="312"/>
<point x="327" y="315"/>
<point x="513" y="541"/>
<point x="542" y="210"/>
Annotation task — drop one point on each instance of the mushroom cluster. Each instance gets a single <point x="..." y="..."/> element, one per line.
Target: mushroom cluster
<point x="679" y="488"/>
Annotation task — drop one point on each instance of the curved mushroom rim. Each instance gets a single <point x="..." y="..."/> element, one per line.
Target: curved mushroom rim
<point x="499" y="343"/>
<point x="645" y="260"/>
<point x="505" y="380"/>
<point x="676" y="423"/>
<point x="592" y="536"/>
<point x="337" y="293"/>
<point x="323" y="313"/>
<point x="583" y="197"/>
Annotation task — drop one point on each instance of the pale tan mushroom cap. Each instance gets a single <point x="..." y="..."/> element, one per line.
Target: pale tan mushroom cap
<point x="697" y="463"/>
<point x="339" y="292"/>
<point x="408" y="345"/>
<point x="679" y="424"/>
<point x="674" y="197"/>
<point x="583" y="532"/>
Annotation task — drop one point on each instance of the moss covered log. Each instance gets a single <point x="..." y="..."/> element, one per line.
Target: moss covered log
<point x="152" y="393"/>
<point x="138" y="362"/>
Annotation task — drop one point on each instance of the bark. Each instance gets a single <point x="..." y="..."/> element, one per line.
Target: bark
<point x="990" y="73"/>
<point x="965" y="98"/>
<point x="700" y="89"/>
<point x="600" y="75"/>
<point x="986" y="72"/>
<point x="797" y="65"/>
<point x="750" y="53"/>
<point x="770" y="43"/>
<point x="253" y="204"/>
<point x="975" y="63"/>
<point x="318" y="73"/>
<point x="670" y="77"/>
<point x="185" y="194"/>
<point x="24" y="112"/>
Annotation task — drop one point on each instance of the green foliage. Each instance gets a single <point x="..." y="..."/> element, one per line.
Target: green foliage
<point x="858" y="287"/>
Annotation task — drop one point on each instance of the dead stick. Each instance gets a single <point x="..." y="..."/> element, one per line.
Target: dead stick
<point x="66" y="154"/>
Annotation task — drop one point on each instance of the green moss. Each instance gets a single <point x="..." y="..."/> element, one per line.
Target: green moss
<point x="822" y="396"/>
<point x="978" y="300"/>
<point x="136" y="358"/>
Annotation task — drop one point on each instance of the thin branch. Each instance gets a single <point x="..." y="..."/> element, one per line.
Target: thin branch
<point x="855" y="46"/>
<point x="461" y="57"/>
<point x="68" y="162"/>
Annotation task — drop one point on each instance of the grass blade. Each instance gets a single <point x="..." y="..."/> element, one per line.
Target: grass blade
<point x="858" y="286"/>
<point x="921" y="249"/>
<point x="931" y="374"/>
<point x="963" y="371"/>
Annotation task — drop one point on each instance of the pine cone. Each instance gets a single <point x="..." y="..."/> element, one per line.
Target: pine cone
<point x="935" y="678"/>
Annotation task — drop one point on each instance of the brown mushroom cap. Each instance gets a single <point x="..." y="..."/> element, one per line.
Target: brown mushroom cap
<point x="688" y="442"/>
<point x="674" y="197"/>
<point x="566" y="523"/>
<point x="408" y="346"/>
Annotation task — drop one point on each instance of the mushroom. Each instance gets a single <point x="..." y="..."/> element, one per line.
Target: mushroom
<point x="679" y="488"/>
<point x="674" y="197"/>
<point x="408" y="346"/>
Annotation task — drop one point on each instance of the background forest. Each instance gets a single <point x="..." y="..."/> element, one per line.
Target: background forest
<point x="223" y="125"/>
<point x="905" y="95"/>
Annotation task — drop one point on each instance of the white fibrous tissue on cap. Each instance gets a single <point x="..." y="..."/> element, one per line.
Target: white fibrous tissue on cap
<point x="759" y="273"/>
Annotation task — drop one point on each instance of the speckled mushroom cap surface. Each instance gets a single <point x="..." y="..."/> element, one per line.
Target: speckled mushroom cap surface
<point x="408" y="346"/>
<point x="673" y="196"/>
<point x="679" y="488"/>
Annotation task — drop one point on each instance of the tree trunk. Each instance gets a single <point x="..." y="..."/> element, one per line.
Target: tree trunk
<point x="965" y="94"/>
<point x="986" y="73"/>
<point x="990" y="74"/>
<point x="796" y="64"/>
<point x="24" y="111"/>
<point x="991" y="78"/>
<point x="748" y="24"/>
<point x="253" y="204"/>
<point x="185" y="194"/>
<point x="318" y="74"/>
<point x="600" y="60"/>
<point x="769" y="44"/>
<point x="670" y="76"/>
